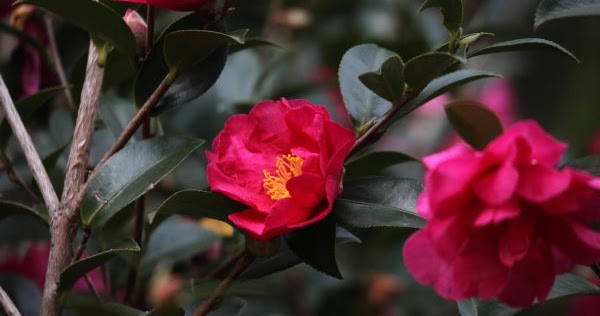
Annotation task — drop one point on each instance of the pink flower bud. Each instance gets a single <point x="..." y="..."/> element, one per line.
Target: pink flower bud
<point x="139" y="28"/>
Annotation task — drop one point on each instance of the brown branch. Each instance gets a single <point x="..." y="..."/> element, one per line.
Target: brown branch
<point x="31" y="155"/>
<point x="7" y="304"/>
<point x="65" y="223"/>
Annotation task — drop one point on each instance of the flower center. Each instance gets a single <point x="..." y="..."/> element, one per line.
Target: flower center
<point x="287" y="167"/>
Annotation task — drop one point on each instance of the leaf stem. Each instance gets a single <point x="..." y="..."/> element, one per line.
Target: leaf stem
<point x="138" y="226"/>
<point x="82" y="244"/>
<point x="242" y="263"/>
<point x="7" y="304"/>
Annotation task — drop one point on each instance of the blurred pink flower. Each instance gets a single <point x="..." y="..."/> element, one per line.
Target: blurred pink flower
<point x="138" y="27"/>
<point x="503" y="222"/>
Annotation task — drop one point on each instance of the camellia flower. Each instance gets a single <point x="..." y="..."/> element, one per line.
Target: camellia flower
<point x="138" y="27"/>
<point x="503" y="222"/>
<point x="284" y="160"/>
<point x="175" y="5"/>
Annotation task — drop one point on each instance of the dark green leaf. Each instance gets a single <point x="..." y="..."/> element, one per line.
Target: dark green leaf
<point x="315" y="245"/>
<point x="474" y="122"/>
<point x="549" y="10"/>
<point x="420" y="70"/>
<point x="231" y="306"/>
<point x="388" y="83"/>
<point x="130" y="173"/>
<point x="197" y="204"/>
<point x="94" y="17"/>
<point x="199" y="44"/>
<point x="251" y="43"/>
<point x="464" y="41"/>
<point x="590" y="164"/>
<point x="175" y="240"/>
<point x="91" y="306"/>
<point x="441" y="85"/>
<point x="523" y="44"/>
<point x="8" y="208"/>
<point x="374" y="162"/>
<point x="192" y="81"/>
<point x="379" y="202"/>
<point x="78" y="269"/>
<point x="363" y="105"/>
<point x="24" y="292"/>
<point x="452" y="10"/>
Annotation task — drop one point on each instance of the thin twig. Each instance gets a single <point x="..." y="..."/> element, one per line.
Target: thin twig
<point x="16" y="178"/>
<point x="243" y="262"/>
<point x="7" y="304"/>
<point x="85" y="235"/>
<point x="227" y="264"/>
<point x="58" y="65"/>
<point x="92" y="287"/>
<point x="138" y="226"/>
<point x="31" y="155"/>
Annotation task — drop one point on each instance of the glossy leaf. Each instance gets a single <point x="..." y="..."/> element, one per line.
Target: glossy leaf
<point x="130" y="173"/>
<point x="190" y="82"/>
<point x="251" y="43"/>
<point x="452" y="10"/>
<point x="94" y="17"/>
<point x="441" y="85"/>
<point x="197" y="204"/>
<point x="590" y="164"/>
<point x="174" y="240"/>
<point x="315" y="245"/>
<point x="388" y="83"/>
<point x="420" y="70"/>
<point x="549" y="10"/>
<point x="374" y="162"/>
<point x="91" y="306"/>
<point x="8" y="208"/>
<point x="199" y="44"/>
<point x="474" y="122"/>
<point x="78" y="269"/>
<point x="523" y="44"/>
<point x="379" y="202"/>
<point x="362" y="103"/>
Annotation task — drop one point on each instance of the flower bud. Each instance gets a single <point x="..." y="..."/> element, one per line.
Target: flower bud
<point x="139" y="28"/>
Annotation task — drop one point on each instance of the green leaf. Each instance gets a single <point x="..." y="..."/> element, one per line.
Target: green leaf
<point x="420" y="70"/>
<point x="251" y="43"/>
<point x="199" y="44"/>
<point x="8" y="208"/>
<point x="78" y="269"/>
<point x="315" y="245"/>
<point x="130" y="173"/>
<point x="379" y="202"/>
<point x="175" y="240"/>
<point x="523" y="44"/>
<point x="26" y="107"/>
<point x="91" y="306"/>
<point x="197" y="204"/>
<point x="441" y="85"/>
<point x="549" y="10"/>
<point x="94" y="17"/>
<point x="474" y="122"/>
<point x="590" y="164"/>
<point x="388" y="83"/>
<point x="374" y="162"/>
<point x="23" y="291"/>
<point x="191" y="82"/>
<point x="363" y="105"/>
<point x="564" y="286"/>
<point x="452" y="10"/>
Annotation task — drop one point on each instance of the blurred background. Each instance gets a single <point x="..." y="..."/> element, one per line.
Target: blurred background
<point x="311" y="38"/>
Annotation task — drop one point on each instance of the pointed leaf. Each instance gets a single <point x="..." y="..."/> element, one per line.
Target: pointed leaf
<point x="130" y="173"/>
<point x="474" y="122"/>
<point x="452" y="10"/>
<point x="91" y="306"/>
<point x="94" y="17"/>
<point x="8" y="208"/>
<point x="523" y="44"/>
<point x="590" y="164"/>
<point x="315" y="245"/>
<point x="363" y="105"/>
<point x="199" y="44"/>
<point x="192" y="81"/>
<point x="388" y="83"/>
<point x="374" y="162"/>
<point x="549" y="10"/>
<point x="197" y="204"/>
<point x="420" y="70"/>
<point x="78" y="269"/>
<point x="379" y="202"/>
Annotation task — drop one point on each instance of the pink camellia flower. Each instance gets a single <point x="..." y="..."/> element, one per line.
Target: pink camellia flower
<point x="503" y="222"/>
<point x="175" y="5"/>
<point x="138" y="27"/>
<point x="284" y="160"/>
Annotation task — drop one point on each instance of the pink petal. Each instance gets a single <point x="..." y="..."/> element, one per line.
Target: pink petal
<point x="252" y="221"/>
<point x="497" y="186"/>
<point x="539" y="183"/>
<point x="497" y="214"/>
<point x="513" y="245"/>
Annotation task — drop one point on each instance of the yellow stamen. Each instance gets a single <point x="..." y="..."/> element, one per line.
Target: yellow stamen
<point x="287" y="167"/>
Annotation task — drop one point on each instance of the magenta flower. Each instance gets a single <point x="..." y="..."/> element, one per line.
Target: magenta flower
<point x="284" y="160"/>
<point x="503" y="222"/>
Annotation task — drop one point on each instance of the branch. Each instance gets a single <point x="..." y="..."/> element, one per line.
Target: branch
<point x="7" y="304"/>
<point x="66" y="222"/>
<point x="58" y="65"/>
<point x="31" y="155"/>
